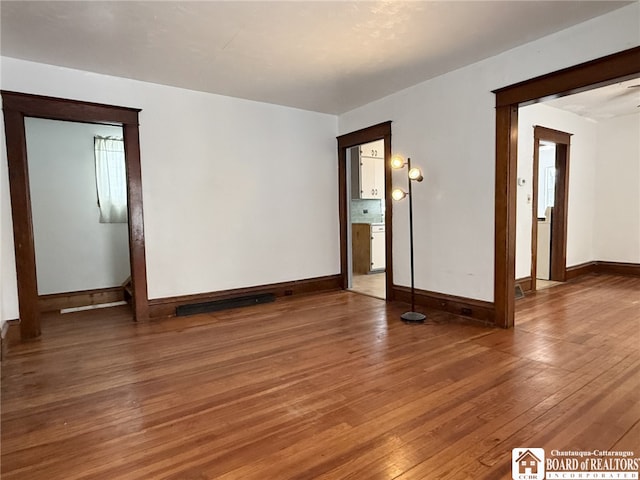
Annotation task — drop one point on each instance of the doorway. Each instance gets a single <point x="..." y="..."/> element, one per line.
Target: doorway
<point x="366" y="198"/>
<point x="603" y="71"/>
<point x="77" y="187"/>
<point x="18" y="106"/>
<point x="549" y="206"/>
<point x="366" y="261"/>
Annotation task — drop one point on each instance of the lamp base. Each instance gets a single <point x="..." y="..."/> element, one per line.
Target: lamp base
<point x="413" y="317"/>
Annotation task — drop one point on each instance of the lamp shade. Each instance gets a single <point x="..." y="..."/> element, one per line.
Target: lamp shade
<point x="415" y="174"/>
<point x="397" y="161"/>
<point x="398" y="194"/>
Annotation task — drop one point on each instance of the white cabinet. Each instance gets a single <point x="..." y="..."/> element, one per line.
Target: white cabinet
<point x="373" y="149"/>
<point x="367" y="171"/>
<point x="371" y="177"/>
<point x="377" y="247"/>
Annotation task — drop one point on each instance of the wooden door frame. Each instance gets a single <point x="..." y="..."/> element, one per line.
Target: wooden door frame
<point x="381" y="131"/>
<point x="586" y="76"/>
<point x="16" y="107"/>
<point x="558" y="269"/>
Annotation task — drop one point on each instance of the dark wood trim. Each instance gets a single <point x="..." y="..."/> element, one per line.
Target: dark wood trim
<point x="559" y="217"/>
<point x="604" y="267"/>
<point x="605" y="70"/>
<point x="585" y="76"/>
<point x="58" y="301"/>
<point x="388" y="218"/>
<point x="558" y="267"/>
<point x="505" y="215"/>
<point x="166" y="307"/>
<point x="137" y="247"/>
<point x="580" y="270"/>
<point x="534" y="212"/>
<point x="16" y="107"/>
<point x="525" y="283"/>
<point x="551" y="135"/>
<point x="468" y="307"/>
<point x="22" y="225"/>
<point x="618" y="268"/>
<point x="70" y="110"/>
<point x="348" y="140"/>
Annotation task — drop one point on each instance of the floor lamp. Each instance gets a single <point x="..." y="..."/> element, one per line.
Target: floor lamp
<point x="413" y="175"/>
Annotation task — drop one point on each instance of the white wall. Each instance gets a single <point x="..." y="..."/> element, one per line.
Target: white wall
<point x="74" y="251"/>
<point x="617" y="213"/>
<point x="447" y="126"/>
<point x="236" y="193"/>
<point x="239" y="193"/>
<point x="582" y="175"/>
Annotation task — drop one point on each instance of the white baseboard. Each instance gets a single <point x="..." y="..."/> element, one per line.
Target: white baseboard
<point x="92" y="307"/>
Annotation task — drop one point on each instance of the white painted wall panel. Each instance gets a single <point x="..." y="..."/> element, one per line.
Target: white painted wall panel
<point x="617" y="213"/>
<point x="447" y="125"/>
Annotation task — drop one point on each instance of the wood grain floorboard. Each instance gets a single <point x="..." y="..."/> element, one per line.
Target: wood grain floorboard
<point x="328" y="386"/>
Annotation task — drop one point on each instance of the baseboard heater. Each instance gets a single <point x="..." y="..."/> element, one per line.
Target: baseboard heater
<point x="216" y="305"/>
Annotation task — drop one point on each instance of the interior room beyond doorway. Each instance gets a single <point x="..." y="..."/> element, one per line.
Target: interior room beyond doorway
<point x="80" y="244"/>
<point x="367" y="218"/>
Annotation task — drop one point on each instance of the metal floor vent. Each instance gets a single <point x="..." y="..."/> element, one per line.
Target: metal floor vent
<point x="214" y="306"/>
<point x="519" y="292"/>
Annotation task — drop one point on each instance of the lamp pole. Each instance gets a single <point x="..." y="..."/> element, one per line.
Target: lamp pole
<point x="413" y="292"/>
<point x="411" y="316"/>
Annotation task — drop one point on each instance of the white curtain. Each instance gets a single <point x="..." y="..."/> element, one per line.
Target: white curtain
<point x="111" y="179"/>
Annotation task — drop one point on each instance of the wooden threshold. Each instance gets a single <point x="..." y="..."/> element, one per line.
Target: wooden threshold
<point x="327" y="386"/>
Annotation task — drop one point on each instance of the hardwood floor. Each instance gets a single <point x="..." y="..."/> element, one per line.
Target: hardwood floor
<point x="331" y="386"/>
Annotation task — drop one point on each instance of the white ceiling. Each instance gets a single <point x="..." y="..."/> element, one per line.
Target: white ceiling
<point x="615" y="100"/>
<point x="323" y="56"/>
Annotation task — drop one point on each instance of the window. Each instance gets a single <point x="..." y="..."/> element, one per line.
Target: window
<point x="111" y="179"/>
